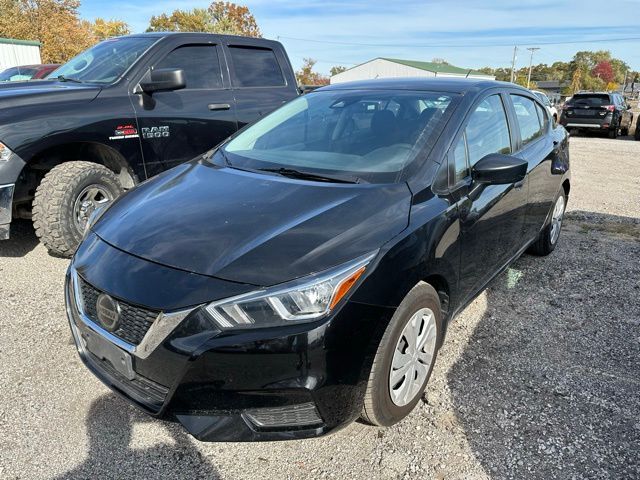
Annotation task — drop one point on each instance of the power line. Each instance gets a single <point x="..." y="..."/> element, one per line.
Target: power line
<point x="476" y="45"/>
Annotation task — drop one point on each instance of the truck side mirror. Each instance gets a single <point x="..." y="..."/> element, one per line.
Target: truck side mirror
<point x="163" y="80"/>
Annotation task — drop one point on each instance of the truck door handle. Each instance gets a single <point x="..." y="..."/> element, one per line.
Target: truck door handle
<point x="219" y="106"/>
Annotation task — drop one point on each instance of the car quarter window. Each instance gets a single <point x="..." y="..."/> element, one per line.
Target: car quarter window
<point x="199" y="63"/>
<point x="460" y="160"/>
<point x="256" y="67"/>
<point x="543" y="114"/>
<point x="528" y="121"/>
<point x="487" y="130"/>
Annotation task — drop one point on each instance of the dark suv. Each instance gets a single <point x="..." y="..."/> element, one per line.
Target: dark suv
<point x="597" y="111"/>
<point x="121" y="112"/>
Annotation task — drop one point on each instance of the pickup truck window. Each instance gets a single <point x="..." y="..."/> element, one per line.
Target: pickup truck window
<point x="199" y="63"/>
<point x="256" y="67"/>
<point x="369" y="135"/>
<point x="106" y="62"/>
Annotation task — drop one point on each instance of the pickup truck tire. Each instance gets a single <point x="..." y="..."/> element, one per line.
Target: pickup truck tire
<point x="65" y="198"/>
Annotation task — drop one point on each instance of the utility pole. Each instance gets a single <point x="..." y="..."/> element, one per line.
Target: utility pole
<point x="531" y="49"/>
<point x="513" y="62"/>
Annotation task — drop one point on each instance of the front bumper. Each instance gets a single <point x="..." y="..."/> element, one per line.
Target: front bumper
<point x="290" y="382"/>
<point x="6" y="202"/>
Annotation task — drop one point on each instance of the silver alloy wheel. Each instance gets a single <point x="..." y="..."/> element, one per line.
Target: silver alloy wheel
<point x="91" y="198"/>
<point x="556" y="219"/>
<point x="412" y="357"/>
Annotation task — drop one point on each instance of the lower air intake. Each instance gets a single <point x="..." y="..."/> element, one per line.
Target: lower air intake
<point x="301" y="415"/>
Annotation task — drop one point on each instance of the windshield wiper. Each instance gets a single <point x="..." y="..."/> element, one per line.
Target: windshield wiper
<point x="62" y="78"/>
<point x="293" y="173"/>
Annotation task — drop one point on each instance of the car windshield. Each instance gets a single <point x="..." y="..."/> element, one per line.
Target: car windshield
<point x="590" y="100"/>
<point x="16" y="73"/>
<point x="106" y="62"/>
<point x="368" y="135"/>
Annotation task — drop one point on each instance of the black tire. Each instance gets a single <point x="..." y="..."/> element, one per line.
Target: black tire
<point x="379" y="408"/>
<point x="613" y="133"/>
<point x="545" y="244"/>
<point x="637" y="132"/>
<point x="55" y="198"/>
<point x="624" y="131"/>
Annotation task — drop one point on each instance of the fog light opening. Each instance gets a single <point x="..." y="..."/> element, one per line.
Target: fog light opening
<point x="303" y="415"/>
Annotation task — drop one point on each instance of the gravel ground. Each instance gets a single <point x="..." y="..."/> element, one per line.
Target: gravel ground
<point x="539" y="376"/>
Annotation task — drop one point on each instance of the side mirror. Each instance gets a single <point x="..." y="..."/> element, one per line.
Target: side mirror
<point x="498" y="169"/>
<point x="163" y="80"/>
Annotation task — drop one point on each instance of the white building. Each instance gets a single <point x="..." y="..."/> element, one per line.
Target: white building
<point x="393" y="68"/>
<point x="15" y="53"/>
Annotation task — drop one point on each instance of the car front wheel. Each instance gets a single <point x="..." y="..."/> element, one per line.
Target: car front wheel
<point x="405" y="358"/>
<point x="550" y="234"/>
<point x="66" y="198"/>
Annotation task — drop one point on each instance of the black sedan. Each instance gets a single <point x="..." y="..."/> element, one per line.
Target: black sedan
<point x="303" y="274"/>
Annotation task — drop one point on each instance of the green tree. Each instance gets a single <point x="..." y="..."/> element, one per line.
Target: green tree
<point x="233" y="19"/>
<point x="196" y="20"/>
<point x="336" y="70"/>
<point x="220" y="17"/>
<point x="103" y="29"/>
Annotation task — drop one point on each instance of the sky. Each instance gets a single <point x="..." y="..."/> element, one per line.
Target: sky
<point x="466" y="33"/>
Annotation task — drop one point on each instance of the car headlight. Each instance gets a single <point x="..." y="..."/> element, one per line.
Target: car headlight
<point x="303" y="300"/>
<point x="5" y="153"/>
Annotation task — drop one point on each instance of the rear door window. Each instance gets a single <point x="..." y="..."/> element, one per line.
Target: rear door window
<point x="256" y="67"/>
<point x="528" y="120"/>
<point x="199" y="63"/>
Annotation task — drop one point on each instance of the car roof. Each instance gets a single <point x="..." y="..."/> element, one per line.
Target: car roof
<point x="438" y="84"/>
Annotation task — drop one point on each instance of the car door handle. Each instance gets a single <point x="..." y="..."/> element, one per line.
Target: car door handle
<point x="219" y="106"/>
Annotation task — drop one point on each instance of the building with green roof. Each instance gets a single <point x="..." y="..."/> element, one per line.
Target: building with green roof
<point x="14" y="53"/>
<point x="394" y="67"/>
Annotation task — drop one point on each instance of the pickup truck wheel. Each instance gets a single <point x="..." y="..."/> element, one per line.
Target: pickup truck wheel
<point x="65" y="199"/>
<point x="405" y="358"/>
<point x="548" y="238"/>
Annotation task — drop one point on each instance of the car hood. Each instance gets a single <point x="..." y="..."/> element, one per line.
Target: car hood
<point x="249" y="227"/>
<point x="36" y="92"/>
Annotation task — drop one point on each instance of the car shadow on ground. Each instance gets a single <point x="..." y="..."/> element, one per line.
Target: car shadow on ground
<point x="547" y="386"/>
<point x="23" y="240"/>
<point x="115" y="453"/>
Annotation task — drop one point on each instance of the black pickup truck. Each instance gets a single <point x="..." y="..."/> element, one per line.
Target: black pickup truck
<point x="121" y="112"/>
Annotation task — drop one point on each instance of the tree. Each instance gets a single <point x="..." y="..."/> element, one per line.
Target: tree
<point x="306" y="75"/>
<point x="233" y="19"/>
<point x="103" y="29"/>
<point x="54" y="23"/>
<point x="603" y="71"/>
<point x="220" y="17"/>
<point x="335" y="70"/>
<point x="196" y="20"/>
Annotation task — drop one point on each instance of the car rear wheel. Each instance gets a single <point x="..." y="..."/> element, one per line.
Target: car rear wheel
<point x="624" y="131"/>
<point x="548" y="238"/>
<point x="405" y="358"/>
<point x="613" y="133"/>
<point x="66" y="198"/>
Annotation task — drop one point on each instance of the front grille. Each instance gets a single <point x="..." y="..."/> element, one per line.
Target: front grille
<point x="301" y="415"/>
<point x="134" y="321"/>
